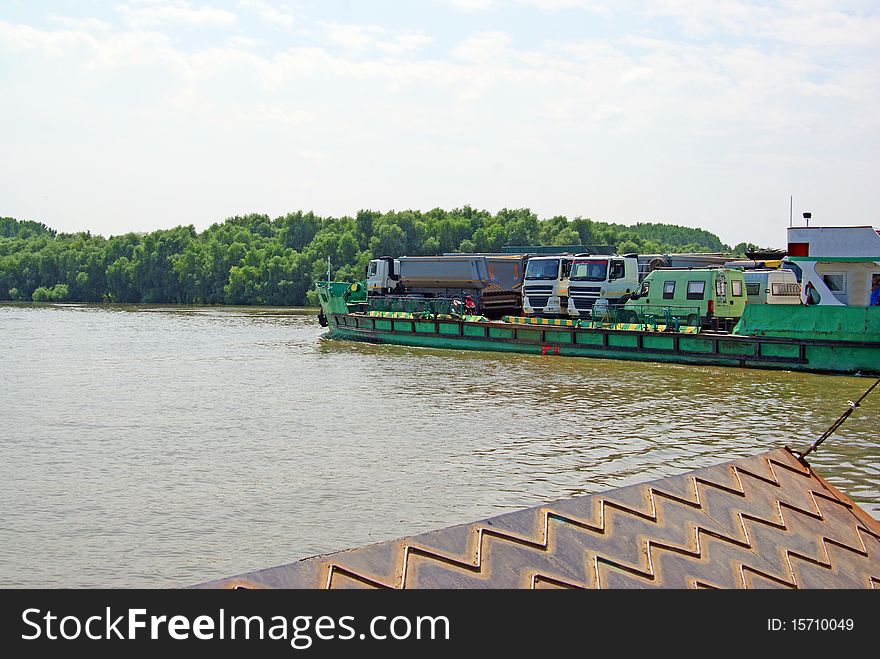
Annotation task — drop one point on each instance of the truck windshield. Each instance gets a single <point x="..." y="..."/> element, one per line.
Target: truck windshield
<point x="589" y="271"/>
<point x="542" y="269"/>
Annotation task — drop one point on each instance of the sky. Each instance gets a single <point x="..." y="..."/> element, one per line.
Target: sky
<point x="136" y="115"/>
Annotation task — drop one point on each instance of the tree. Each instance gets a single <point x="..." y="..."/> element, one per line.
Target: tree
<point x="254" y="259"/>
<point x="298" y="229"/>
<point x="58" y="293"/>
<point x="390" y="241"/>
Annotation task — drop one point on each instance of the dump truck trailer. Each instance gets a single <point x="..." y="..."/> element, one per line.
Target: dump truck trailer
<point x="493" y="282"/>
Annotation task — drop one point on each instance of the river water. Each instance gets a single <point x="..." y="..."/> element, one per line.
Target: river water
<point x="157" y="446"/>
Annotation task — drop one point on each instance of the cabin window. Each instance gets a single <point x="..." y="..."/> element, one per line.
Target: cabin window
<point x="617" y="271"/>
<point x="542" y="269"/>
<point x="589" y="271"/>
<point x="753" y="289"/>
<point x="736" y="288"/>
<point x="835" y="281"/>
<point x="668" y="290"/>
<point x="785" y="289"/>
<point x="372" y="272"/>
<point x="696" y="290"/>
<point x="721" y="286"/>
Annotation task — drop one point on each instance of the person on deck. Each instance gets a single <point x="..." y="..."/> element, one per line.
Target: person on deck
<point x="875" y="291"/>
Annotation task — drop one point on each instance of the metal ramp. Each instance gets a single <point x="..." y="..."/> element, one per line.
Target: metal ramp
<point x="767" y="521"/>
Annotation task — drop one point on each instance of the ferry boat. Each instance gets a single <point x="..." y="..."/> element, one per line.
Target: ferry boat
<point x="833" y="330"/>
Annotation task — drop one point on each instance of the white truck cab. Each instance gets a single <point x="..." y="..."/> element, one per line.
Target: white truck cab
<point x="605" y="278"/>
<point x="382" y="275"/>
<point x="545" y="286"/>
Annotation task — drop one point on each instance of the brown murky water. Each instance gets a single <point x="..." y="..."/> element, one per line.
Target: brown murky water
<point x="146" y="446"/>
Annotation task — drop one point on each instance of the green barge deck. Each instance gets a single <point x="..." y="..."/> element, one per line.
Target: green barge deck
<point x="824" y="340"/>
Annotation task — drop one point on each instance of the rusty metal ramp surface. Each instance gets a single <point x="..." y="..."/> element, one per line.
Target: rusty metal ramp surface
<point x="767" y="521"/>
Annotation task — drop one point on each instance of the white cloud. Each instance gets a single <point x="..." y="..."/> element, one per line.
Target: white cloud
<point x="817" y="24"/>
<point x="484" y="46"/>
<point x="84" y="24"/>
<point x="283" y="17"/>
<point x="607" y="112"/>
<point x="471" y="6"/>
<point x="314" y="156"/>
<point x="361" y="38"/>
<point x="404" y="43"/>
<point x="18" y="38"/>
<point x="151" y="15"/>
<point x="556" y="5"/>
<point x="246" y="43"/>
<point x="352" y="37"/>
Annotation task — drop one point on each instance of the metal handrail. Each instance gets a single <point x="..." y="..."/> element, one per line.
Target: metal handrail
<point x="671" y="317"/>
<point x="416" y="305"/>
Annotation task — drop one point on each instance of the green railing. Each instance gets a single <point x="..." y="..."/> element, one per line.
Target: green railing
<point x="649" y="316"/>
<point x="425" y="307"/>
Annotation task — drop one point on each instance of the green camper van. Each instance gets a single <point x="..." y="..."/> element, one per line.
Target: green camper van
<point x="710" y="297"/>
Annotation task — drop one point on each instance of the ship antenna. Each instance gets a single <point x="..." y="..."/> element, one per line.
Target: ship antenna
<point x="834" y="426"/>
<point x="328" y="269"/>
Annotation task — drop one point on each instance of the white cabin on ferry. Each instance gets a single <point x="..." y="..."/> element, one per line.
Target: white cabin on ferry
<point x="835" y="265"/>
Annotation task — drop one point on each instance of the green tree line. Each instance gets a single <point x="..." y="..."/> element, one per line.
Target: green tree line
<point x="256" y="259"/>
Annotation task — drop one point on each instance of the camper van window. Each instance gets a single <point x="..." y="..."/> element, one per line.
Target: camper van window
<point x="721" y="286"/>
<point x="835" y="281"/>
<point x="668" y="290"/>
<point x="785" y="289"/>
<point x="696" y="290"/>
<point x="736" y="288"/>
<point x="753" y="289"/>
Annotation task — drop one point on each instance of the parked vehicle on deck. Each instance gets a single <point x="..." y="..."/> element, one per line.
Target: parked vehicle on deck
<point x="545" y="286"/>
<point x="493" y="282"/>
<point x="769" y="286"/>
<point x="711" y="297"/>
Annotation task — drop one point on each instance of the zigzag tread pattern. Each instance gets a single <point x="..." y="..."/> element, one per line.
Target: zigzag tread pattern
<point x="763" y="521"/>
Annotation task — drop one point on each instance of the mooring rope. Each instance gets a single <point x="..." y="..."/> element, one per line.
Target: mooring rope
<point x="834" y="426"/>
